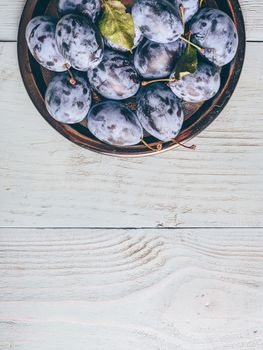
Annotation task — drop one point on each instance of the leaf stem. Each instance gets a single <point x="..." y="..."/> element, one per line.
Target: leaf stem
<point x="170" y="80"/>
<point x="192" y="44"/>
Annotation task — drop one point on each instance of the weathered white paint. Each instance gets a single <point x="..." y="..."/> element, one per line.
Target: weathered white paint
<point x="198" y="289"/>
<point x="47" y="181"/>
<point x="133" y="289"/>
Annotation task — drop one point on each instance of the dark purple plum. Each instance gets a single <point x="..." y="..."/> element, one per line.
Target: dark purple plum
<point x="160" y="112"/>
<point x="158" y="20"/>
<point x="190" y="7"/>
<point x="89" y="8"/>
<point x="214" y="31"/>
<point x="138" y="38"/>
<point x="40" y="37"/>
<point x="68" y="103"/>
<point x="153" y="60"/>
<point x="79" y="41"/>
<point x="199" y="86"/>
<point x="115" y="77"/>
<point x="115" y="124"/>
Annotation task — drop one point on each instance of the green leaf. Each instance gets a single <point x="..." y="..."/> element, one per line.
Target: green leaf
<point x="116" y="24"/>
<point x="187" y="63"/>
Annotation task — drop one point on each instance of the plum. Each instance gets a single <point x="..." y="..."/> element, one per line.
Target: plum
<point x="79" y="41"/>
<point x="158" y="20"/>
<point x="160" y="112"/>
<point x="115" y="77"/>
<point x="115" y="124"/>
<point x="138" y="38"/>
<point x="40" y="37"/>
<point x="190" y="7"/>
<point x="153" y="60"/>
<point x="68" y="103"/>
<point x="89" y="8"/>
<point x="199" y="86"/>
<point x="214" y="31"/>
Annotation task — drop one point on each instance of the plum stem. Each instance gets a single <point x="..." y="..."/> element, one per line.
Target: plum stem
<point x="170" y="80"/>
<point x="190" y="43"/>
<point x="159" y="147"/>
<point x="193" y="147"/>
<point x="188" y="34"/>
<point x="182" y="11"/>
<point x="72" y="80"/>
<point x="201" y="3"/>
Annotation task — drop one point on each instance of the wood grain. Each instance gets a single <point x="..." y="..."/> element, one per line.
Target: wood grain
<point x="147" y="289"/>
<point x="47" y="181"/>
<point x="10" y="12"/>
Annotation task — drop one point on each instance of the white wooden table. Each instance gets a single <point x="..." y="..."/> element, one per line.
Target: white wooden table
<point x="160" y="253"/>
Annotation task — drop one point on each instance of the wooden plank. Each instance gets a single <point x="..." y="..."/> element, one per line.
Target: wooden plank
<point x="10" y="12"/>
<point x="47" y="181"/>
<point x="148" y="289"/>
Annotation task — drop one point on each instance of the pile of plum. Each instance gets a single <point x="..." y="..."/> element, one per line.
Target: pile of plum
<point x="87" y="62"/>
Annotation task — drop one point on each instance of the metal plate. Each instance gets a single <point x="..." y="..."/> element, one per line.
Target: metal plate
<point x="197" y="116"/>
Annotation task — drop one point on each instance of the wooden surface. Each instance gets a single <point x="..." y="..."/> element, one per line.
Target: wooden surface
<point x="134" y="289"/>
<point x="78" y="267"/>
<point x="47" y="181"/>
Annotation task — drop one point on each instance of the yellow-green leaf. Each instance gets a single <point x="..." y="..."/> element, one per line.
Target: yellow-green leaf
<point x="116" y="24"/>
<point x="187" y="63"/>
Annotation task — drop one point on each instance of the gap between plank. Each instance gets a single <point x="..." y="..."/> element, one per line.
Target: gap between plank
<point x="131" y="228"/>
